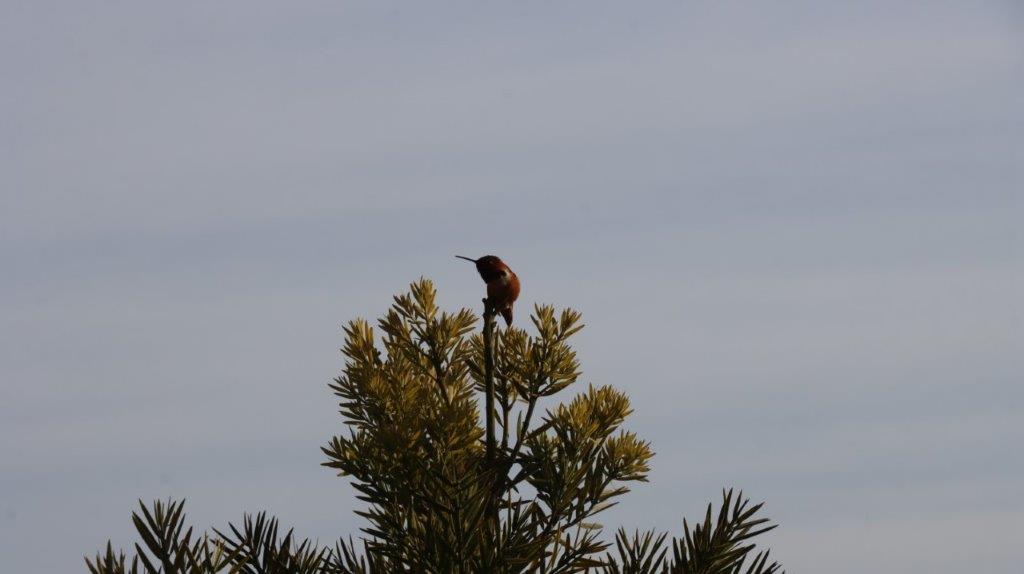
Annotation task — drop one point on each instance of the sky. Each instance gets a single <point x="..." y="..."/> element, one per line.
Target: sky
<point x="793" y="230"/>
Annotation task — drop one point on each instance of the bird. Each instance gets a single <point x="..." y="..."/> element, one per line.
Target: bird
<point x="502" y="284"/>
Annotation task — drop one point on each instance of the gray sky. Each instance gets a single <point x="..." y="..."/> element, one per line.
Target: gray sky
<point x="792" y="228"/>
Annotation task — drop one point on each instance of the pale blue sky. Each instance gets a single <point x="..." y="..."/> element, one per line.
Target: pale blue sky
<point x="792" y="228"/>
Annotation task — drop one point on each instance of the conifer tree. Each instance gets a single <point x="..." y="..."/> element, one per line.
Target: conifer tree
<point x="450" y="485"/>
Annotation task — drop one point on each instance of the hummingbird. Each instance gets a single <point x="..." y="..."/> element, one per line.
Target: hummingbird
<point x="502" y="284"/>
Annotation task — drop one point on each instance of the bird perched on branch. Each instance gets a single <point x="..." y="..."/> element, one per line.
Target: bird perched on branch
<point x="502" y="284"/>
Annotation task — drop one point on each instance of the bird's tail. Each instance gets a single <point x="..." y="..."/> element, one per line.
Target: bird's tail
<point x="507" y="314"/>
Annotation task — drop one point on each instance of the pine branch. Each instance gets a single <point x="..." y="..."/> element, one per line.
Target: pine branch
<point x="441" y="492"/>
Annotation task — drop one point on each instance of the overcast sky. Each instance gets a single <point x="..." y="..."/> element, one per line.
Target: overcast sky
<point x="793" y="229"/>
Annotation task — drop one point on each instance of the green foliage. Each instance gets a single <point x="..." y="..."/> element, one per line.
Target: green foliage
<point x="450" y="485"/>
<point x="167" y="547"/>
<point x="709" y="548"/>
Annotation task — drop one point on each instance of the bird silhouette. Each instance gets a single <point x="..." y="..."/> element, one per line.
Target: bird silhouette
<point x="502" y="284"/>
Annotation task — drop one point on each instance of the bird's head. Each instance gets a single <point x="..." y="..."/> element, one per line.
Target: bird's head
<point x="488" y="266"/>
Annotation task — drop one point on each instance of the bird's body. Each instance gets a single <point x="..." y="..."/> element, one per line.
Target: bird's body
<point x="502" y="284"/>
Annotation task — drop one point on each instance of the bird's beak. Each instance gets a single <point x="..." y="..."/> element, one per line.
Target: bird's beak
<point x="466" y="258"/>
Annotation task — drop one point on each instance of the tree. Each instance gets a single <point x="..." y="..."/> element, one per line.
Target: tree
<point x="445" y="491"/>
